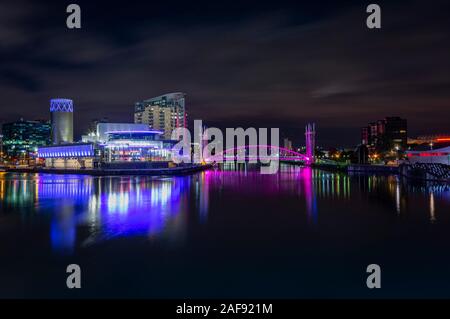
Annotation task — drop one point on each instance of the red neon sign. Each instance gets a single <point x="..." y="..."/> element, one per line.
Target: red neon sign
<point x="427" y="154"/>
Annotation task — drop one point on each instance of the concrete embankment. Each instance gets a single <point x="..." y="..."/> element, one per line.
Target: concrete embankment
<point x="419" y="172"/>
<point x="357" y="168"/>
<point x="181" y="170"/>
<point x="330" y="167"/>
<point x="382" y="169"/>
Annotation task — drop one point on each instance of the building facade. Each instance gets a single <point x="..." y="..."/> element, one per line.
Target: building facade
<point x="386" y="135"/>
<point x="100" y="134"/>
<point x="113" y="145"/>
<point x="430" y="149"/>
<point x="396" y="132"/>
<point x="21" y="139"/>
<point x="61" y="111"/>
<point x="165" y="113"/>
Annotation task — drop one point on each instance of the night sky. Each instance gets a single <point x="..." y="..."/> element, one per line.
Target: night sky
<point x="241" y="63"/>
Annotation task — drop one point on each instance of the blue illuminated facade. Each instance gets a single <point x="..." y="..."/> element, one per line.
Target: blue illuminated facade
<point x="121" y="146"/>
<point x="67" y="151"/>
<point x="61" y="111"/>
<point x="61" y="105"/>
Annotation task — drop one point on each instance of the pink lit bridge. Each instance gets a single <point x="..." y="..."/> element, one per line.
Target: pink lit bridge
<point x="266" y="153"/>
<point x="263" y="153"/>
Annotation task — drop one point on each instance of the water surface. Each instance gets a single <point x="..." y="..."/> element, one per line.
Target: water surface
<point x="301" y="233"/>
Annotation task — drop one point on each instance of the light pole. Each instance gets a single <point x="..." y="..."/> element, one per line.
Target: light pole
<point x="1" y="148"/>
<point x="397" y="148"/>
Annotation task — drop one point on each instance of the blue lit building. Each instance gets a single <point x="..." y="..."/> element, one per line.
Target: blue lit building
<point x="123" y="146"/>
<point x="77" y="155"/>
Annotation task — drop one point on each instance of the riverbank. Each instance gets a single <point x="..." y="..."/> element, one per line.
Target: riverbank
<point x="330" y="167"/>
<point x="418" y="172"/>
<point x="357" y="168"/>
<point x="180" y="170"/>
<point x="382" y="169"/>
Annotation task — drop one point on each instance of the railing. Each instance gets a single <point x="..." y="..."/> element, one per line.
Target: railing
<point x="426" y="171"/>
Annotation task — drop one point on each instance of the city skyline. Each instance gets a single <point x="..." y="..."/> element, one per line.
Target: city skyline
<point x="217" y="158"/>
<point x="273" y="65"/>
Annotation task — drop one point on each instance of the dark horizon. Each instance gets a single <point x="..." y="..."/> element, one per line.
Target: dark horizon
<point x="253" y="64"/>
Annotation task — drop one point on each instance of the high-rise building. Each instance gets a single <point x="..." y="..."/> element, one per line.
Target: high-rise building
<point x="62" y="120"/>
<point x="165" y="113"/>
<point x="396" y="132"/>
<point x="287" y="143"/>
<point x="373" y="133"/>
<point x="22" y="138"/>
<point x="387" y="134"/>
<point x="381" y="127"/>
<point x="365" y="136"/>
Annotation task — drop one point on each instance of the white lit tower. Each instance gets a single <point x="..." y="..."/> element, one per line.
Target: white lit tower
<point x="61" y="111"/>
<point x="310" y="136"/>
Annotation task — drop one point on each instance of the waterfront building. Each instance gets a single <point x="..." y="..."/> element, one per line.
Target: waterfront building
<point x="365" y="136"/>
<point x="73" y="156"/>
<point x="21" y="139"/>
<point x="374" y="136"/>
<point x="165" y="113"/>
<point x="61" y="111"/>
<point x="118" y="145"/>
<point x="396" y="132"/>
<point x="433" y="153"/>
<point x="386" y="135"/>
<point x="429" y="149"/>
<point x="362" y="154"/>
<point x="100" y="134"/>
<point x="427" y="139"/>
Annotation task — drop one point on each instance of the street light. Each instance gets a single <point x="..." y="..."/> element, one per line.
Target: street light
<point x="397" y="148"/>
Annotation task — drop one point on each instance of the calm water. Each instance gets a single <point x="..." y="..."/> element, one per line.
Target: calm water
<point x="300" y="234"/>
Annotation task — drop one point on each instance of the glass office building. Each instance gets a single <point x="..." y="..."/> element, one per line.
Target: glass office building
<point x="21" y="139"/>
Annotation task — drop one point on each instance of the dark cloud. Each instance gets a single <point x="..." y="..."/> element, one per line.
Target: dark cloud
<point x="271" y="65"/>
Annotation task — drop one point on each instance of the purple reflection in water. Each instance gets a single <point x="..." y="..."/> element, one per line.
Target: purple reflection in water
<point x="109" y="207"/>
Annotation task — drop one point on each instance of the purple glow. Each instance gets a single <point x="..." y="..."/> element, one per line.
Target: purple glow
<point x="75" y="150"/>
<point x="295" y="155"/>
<point x="61" y="105"/>
<point x="136" y="131"/>
<point x="310" y="135"/>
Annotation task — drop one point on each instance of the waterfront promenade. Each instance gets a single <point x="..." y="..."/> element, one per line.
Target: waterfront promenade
<point x="179" y="170"/>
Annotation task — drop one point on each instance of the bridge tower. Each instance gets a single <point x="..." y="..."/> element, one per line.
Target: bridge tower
<point x="310" y="136"/>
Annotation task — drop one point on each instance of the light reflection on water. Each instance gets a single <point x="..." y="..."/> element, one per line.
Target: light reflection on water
<point x="85" y="210"/>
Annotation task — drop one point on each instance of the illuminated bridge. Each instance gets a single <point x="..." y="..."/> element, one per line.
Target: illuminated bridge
<point x="254" y="153"/>
<point x="267" y="153"/>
